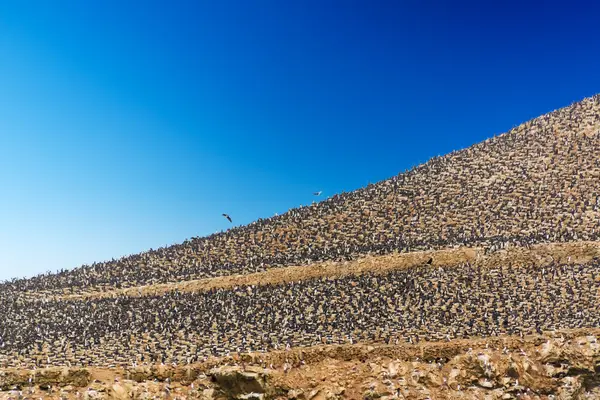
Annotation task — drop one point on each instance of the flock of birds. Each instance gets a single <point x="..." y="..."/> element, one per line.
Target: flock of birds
<point x="421" y="303"/>
<point x="538" y="183"/>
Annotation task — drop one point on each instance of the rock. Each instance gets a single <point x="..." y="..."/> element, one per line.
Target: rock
<point x="339" y="391"/>
<point x="119" y="392"/>
<point x="331" y="395"/>
<point x="145" y="396"/>
<point x="296" y="394"/>
<point x="371" y="395"/>
<point x="392" y="370"/>
<point x="570" y="388"/>
<point x="324" y="394"/>
<point x="556" y="370"/>
<point x="375" y="390"/>
<point x="79" y="377"/>
<point x="592" y="393"/>
<point x="93" y="395"/>
<point x="455" y="378"/>
<point x="202" y="383"/>
<point x="430" y="378"/>
<point x="237" y="383"/>
<point x="484" y="383"/>
<point x="318" y="395"/>
<point x="251" y="396"/>
<point x="396" y="369"/>
<point x="97" y="387"/>
<point x="13" y="394"/>
<point x="375" y="368"/>
<point x="577" y="357"/>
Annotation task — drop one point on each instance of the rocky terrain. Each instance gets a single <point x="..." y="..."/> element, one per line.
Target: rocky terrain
<point x="557" y="365"/>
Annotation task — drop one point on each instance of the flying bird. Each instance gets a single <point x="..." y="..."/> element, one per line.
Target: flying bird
<point x="318" y="193"/>
<point x="228" y="217"/>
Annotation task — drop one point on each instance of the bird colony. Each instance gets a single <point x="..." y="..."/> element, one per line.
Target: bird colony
<point x="537" y="183"/>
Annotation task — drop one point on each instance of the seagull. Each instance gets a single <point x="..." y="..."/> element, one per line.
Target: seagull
<point x="318" y="193"/>
<point x="228" y="217"/>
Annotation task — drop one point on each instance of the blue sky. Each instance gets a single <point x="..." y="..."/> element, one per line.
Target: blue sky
<point x="129" y="125"/>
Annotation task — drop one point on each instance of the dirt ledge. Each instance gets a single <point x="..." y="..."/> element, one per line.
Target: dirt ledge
<point x="559" y="365"/>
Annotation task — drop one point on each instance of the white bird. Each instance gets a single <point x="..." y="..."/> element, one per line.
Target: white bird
<point x="318" y="193"/>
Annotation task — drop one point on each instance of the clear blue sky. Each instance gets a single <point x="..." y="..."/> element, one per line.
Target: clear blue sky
<point x="126" y="125"/>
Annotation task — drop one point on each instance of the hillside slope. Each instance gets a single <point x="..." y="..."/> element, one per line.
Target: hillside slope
<point x="493" y="248"/>
<point x="539" y="182"/>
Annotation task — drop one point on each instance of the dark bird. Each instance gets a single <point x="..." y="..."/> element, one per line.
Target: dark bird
<point x="430" y="261"/>
<point x="228" y="217"/>
<point x="318" y="193"/>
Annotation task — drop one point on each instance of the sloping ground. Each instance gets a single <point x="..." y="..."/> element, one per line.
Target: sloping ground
<point x="539" y="182"/>
<point x="475" y="275"/>
<point x="559" y="365"/>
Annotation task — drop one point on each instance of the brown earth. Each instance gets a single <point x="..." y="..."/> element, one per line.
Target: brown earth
<point x="559" y="365"/>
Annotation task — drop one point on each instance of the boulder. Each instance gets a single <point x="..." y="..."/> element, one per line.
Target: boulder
<point x="579" y="356"/>
<point x="250" y="383"/>
<point x="208" y="394"/>
<point x="296" y="394"/>
<point x="119" y="392"/>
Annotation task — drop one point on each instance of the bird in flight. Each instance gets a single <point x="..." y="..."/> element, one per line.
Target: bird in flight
<point x="318" y="193"/>
<point x="228" y="217"/>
